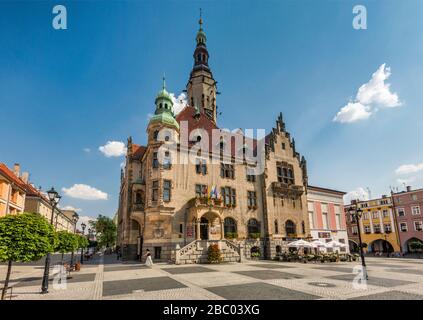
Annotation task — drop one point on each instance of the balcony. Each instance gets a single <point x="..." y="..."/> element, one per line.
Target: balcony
<point x="282" y="188"/>
<point x="205" y="201"/>
<point x="138" y="207"/>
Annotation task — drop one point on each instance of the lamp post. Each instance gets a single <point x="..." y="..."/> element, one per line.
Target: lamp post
<point x="83" y="225"/>
<point x="54" y="199"/>
<point x="75" y="220"/>
<point x="357" y="213"/>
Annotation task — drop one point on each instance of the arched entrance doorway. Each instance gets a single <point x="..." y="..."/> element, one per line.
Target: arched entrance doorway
<point x="414" y="245"/>
<point x="381" y="246"/>
<point x="204" y="229"/>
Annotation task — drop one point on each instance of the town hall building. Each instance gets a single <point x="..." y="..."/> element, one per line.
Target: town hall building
<point x="177" y="208"/>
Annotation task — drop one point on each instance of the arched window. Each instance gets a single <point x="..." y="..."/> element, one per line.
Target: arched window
<point x="138" y="198"/>
<point x="253" y="226"/>
<point x="276" y="227"/>
<point x="290" y="228"/>
<point x="155" y="135"/>
<point x="230" y="227"/>
<point x="160" y="105"/>
<point x="199" y="57"/>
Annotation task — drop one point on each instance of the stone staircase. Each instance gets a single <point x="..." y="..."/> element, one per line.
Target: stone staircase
<point x="196" y="252"/>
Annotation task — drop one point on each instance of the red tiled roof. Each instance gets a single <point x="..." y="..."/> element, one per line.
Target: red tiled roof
<point x="138" y="151"/>
<point x="202" y="122"/>
<point x="5" y="171"/>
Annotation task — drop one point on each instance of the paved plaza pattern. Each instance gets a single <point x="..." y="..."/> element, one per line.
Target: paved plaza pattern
<point x="105" y="278"/>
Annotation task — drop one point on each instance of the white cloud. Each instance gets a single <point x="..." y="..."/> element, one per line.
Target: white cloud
<point x="359" y="193"/>
<point x="86" y="220"/>
<point x="377" y="92"/>
<point x="87" y="150"/>
<point x="371" y="95"/>
<point x="409" y="169"/>
<point x="85" y="192"/>
<point x="113" y="149"/>
<point x="352" y="112"/>
<point x="71" y="208"/>
<point x="179" y="103"/>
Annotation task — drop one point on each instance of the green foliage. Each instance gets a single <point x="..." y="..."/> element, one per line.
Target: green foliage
<point x="67" y="242"/>
<point x="82" y="242"/>
<point x="415" y="245"/>
<point x="106" y="231"/>
<point x="231" y="235"/>
<point x="213" y="254"/>
<point x="254" y="235"/>
<point x="25" y="237"/>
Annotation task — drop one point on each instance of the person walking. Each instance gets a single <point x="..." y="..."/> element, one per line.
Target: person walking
<point x="148" y="261"/>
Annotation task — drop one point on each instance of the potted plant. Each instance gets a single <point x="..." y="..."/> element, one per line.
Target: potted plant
<point x="214" y="254"/>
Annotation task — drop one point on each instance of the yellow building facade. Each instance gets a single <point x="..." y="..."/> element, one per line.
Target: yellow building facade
<point x="12" y="190"/>
<point x="378" y="226"/>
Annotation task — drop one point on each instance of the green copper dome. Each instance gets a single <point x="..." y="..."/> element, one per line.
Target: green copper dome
<point x="164" y="108"/>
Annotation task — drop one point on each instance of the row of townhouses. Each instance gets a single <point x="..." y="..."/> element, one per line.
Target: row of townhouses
<point x="18" y="195"/>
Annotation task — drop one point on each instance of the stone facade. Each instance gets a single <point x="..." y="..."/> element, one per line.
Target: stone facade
<point x="172" y="207"/>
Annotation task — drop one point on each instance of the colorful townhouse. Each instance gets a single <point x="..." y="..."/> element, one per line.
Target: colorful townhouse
<point x="326" y="215"/>
<point x="409" y="206"/>
<point x="12" y="190"/>
<point x="37" y="202"/>
<point x="377" y="225"/>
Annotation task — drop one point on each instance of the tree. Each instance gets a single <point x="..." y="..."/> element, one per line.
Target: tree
<point x="106" y="231"/>
<point x="82" y="242"/>
<point x="67" y="242"/>
<point x="24" y="237"/>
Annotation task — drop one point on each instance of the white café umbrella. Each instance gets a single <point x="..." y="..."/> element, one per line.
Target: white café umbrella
<point x="334" y="243"/>
<point x="300" y="244"/>
<point x="318" y="244"/>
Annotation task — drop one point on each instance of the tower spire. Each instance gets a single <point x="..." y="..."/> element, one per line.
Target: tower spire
<point x="200" y="22"/>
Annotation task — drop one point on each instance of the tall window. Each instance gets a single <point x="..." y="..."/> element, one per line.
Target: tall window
<point x="227" y="171"/>
<point x="276" y="227"/>
<point x="253" y="226"/>
<point x="166" y="190"/>
<point x="403" y="227"/>
<point x="228" y="196"/>
<point x="290" y="228"/>
<point x="251" y="199"/>
<point x="138" y="198"/>
<point x="385" y="213"/>
<point x="375" y="214"/>
<point x="400" y="212"/>
<point x="167" y="161"/>
<point x="285" y="173"/>
<point x="201" y="166"/>
<point x="338" y="217"/>
<point x="387" y="227"/>
<point x="418" y="226"/>
<point x="155" y="160"/>
<point x="229" y="226"/>
<point x="325" y="216"/>
<point x="367" y="229"/>
<point x="155" y="191"/>
<point x="200" y="190"/>
<point x="415" y="210"/>
<point x="250" y="176"/>
<point x="376" y="228"/>
<point x="310" y="206"/>
<point x="354" y="230"/>
<point x="365" y="215"/>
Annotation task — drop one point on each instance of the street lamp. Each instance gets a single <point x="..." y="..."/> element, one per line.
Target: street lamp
<point x="356" y="212"/>
<point x="75" y="220"/>
<point x="83" y="225"/>
<point x="54" y="199"/>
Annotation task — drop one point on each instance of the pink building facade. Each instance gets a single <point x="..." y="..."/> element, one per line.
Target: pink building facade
<point x="409" y="213"/>
<point x="326" y="215"/>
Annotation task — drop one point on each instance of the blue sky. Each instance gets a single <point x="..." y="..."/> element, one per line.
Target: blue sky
<point x="62" y="91"/>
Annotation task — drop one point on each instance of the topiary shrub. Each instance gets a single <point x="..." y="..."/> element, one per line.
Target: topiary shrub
<point x="214" y="254"/>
